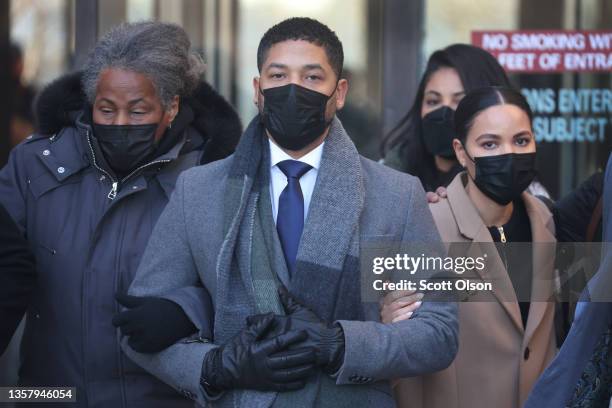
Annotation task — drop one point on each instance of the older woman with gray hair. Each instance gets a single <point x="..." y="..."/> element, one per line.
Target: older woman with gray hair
<point x="86" y="190"/>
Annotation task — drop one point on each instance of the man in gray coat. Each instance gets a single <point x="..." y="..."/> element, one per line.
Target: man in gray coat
<point x="290" y="209"/>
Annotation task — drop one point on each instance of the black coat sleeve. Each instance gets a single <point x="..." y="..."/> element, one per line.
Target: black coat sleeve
<point x="17" y="277"/>
<point x="573" y="212"/>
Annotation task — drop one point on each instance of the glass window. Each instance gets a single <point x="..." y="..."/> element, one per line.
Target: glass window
<point x="41" y="30"/>
<point x="449" y="22"/>
<point x="137" y="10"/>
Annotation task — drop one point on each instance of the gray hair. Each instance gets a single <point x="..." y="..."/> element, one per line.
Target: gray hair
<point x="161" y="51"/>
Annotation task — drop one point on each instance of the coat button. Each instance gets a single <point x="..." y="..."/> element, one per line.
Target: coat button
<point x="61" y="170"/>
<point x="526" y="354"/>
<point x="46" y="152"/>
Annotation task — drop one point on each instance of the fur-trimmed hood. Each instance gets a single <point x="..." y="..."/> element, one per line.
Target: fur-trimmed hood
<point x="59" y="103"/>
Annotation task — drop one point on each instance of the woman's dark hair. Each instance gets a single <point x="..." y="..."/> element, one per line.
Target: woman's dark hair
<point x="476" y="68"/>
<point x="480" y="99"/>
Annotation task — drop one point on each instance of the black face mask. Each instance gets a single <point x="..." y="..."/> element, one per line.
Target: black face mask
<point x="125" y="146"/>
<point x="504" y="177"/>
<point x="439" y="132"/>
<point x="294" y="115"/>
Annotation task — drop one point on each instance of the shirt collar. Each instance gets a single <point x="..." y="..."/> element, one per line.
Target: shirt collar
<point x="313" y="158"/>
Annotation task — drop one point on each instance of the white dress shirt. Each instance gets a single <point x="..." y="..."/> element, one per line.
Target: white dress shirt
<point x="278" y="180"/>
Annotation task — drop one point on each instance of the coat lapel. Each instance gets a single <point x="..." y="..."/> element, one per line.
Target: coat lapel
<point x="472" y="228"/>
<point x="497" y="273"/>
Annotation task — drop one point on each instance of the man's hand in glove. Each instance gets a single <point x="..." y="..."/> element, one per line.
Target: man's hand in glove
<point x="326" y="339"/>
<point x="152" y="324"/>
<point x="249" y="361"/>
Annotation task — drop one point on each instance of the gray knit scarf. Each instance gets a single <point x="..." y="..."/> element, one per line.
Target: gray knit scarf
<point x="250" y="263"/>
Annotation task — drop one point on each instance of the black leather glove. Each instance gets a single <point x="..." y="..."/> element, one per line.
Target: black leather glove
<point x="326" y="339"/>
<point x="152" y="323"/>
<point x="248" y="361"/>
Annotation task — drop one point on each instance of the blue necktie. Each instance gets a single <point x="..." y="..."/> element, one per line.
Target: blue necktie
<point x="290" y="217"/>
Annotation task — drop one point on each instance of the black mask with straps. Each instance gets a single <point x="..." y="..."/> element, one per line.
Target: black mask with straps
<point x="503" y="177"/>
<point x="438" y="132"/>
<point x="125" y="147"/>
<point x="294" y="115"/>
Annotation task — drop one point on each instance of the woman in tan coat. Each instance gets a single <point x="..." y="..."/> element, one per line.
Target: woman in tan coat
<point x="506" y="338"/>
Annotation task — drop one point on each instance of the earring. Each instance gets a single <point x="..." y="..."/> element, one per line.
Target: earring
<point x="170" y="125"/>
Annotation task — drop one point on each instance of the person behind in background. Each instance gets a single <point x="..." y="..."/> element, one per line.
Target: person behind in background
<point x="581" y="374"/>
<point x="506" y="338"/>
<point x="21" y="97"/>
<point x="421" y="143"/>
<point x="86" y="190"/>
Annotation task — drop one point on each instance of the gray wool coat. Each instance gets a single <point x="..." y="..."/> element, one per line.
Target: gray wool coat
<point x="183" y="252"/>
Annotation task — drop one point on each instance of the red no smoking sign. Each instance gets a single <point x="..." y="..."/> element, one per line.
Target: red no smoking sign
<point x="548" y="51"/>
